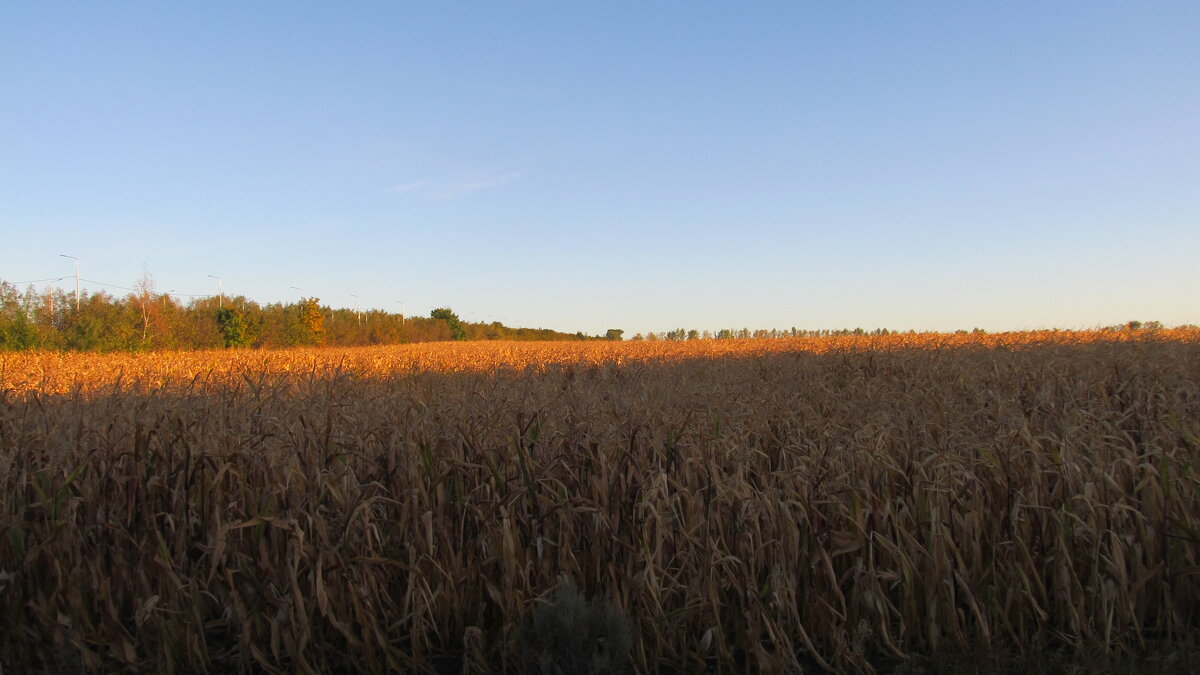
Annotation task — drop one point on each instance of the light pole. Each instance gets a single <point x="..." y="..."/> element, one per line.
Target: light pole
<point x="301" y="301"/>
<point x="357" y="307"/>
<point x="220" y="292"/>
<point x="64" y="255"/>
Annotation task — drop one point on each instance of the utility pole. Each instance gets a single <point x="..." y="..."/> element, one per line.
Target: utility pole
<point x="64" y="255"/>
<point x="357" y="307"/>
<point x="220" y="292"/>
<point x="302" y="300"/>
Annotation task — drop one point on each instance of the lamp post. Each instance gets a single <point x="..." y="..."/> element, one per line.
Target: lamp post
<point x="64" y="255"/>
<point x="301" y="292"/>
<point x="220" y="292"/>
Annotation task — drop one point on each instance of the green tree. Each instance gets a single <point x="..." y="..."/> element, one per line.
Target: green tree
<point x="103" y="323"/>
<point x="235" y="328"/>
<point x="16" y="331"/>
<point x="451" y="319"/>
<point x="614" y="334"/>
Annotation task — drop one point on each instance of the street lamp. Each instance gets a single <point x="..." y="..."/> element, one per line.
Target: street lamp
<point x="220" y="291"/>
<point x="64" y="255"/>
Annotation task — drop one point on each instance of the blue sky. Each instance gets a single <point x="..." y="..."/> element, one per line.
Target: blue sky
<point x="645" y="166"/>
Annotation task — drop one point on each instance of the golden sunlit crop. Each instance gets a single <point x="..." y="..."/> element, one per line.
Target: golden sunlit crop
<point x="59" y="372"/>
<point x="749" y="505"/>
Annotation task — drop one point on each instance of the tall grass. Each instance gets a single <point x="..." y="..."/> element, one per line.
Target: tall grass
<point x="749" y="505"/>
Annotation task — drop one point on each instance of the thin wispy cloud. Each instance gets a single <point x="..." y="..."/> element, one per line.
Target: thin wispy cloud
<point x="409" y="187"/>
<point x="459" y="184"/>
<point x="477" y="182"/>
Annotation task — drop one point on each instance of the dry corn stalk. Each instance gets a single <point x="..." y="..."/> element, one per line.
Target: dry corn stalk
<point x="765" y="504"/>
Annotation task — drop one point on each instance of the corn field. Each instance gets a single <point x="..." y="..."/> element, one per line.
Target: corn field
<point x="775" y="506"/>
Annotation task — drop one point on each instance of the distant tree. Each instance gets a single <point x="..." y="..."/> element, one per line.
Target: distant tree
<point x="235" y="329"/>
<point x="614" y="334"/>
<point x="452" y="320"/>
<point x="144" y="319"/>
<point x="312" y="321"/>
<point x="103" y="324"/>
<point x="693" y="334"/>
<point x="16" y="331"/>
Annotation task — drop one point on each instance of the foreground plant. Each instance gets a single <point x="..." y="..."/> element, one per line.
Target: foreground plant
<point x="571" y="635"/>
<point x="750" y="505"/>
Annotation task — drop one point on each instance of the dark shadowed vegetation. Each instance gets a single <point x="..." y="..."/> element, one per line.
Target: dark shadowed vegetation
<point x="145" y="320"/>
<point x="828" y="503"/>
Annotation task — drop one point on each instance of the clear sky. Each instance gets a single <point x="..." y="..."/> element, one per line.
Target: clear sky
<point x="635" y="165"/>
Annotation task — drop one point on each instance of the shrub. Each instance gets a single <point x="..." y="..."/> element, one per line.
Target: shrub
<point x="570" y="635"/>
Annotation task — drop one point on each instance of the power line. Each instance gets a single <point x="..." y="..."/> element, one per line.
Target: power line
<point x="134" y="290"/>
<point x="101" y="283"/>
<point x="123" y="288"/>
<point x="36" y="281"/>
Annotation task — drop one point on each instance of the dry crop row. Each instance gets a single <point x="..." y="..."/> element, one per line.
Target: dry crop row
<point x="836" y="503"/>
<point x="62" y="372"/>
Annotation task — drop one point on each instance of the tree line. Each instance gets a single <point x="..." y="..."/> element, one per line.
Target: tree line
<point x="761" y="333"/>
<point x="145" y="320"/>
<point x="757" y="334"/>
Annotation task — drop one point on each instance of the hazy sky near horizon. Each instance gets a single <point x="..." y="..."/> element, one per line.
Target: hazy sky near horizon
<point x="634" y="165"/>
